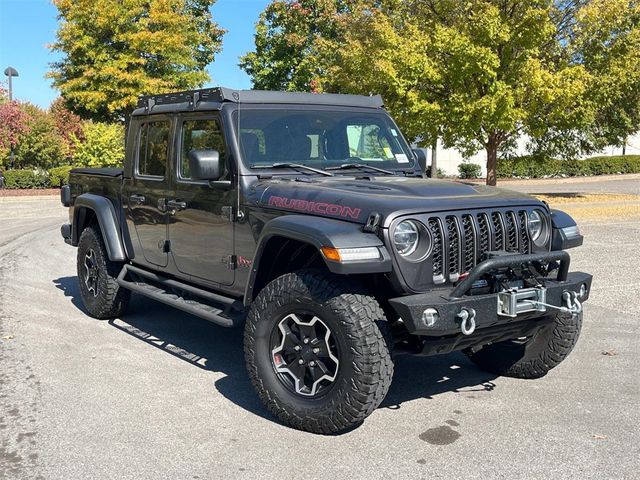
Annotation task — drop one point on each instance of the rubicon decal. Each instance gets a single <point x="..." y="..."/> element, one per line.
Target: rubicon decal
<point x="315" y="207"/>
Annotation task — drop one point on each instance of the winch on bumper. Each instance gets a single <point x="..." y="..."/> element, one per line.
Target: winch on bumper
<point x="489" y="317"/>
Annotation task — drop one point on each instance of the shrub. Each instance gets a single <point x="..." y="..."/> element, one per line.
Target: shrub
<point x="469" y="170"/>
<point x="27" y="178"/>
<point x="612" y="165"/>
<point x="59" y="176"/>
<point x="103" y="145"/>
<point x="536" y="167"/>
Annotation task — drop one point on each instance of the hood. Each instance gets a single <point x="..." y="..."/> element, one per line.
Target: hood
<point x="354" y="199"/>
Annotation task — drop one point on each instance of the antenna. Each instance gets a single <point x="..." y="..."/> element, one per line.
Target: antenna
<point x="236" y="97"/>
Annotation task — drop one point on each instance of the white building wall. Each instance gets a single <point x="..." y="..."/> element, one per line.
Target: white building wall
<point x="450" y="158"/>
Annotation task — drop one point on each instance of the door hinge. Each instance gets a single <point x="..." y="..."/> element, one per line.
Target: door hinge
<point x="231" y="214"/>
<point x="230" y="261"/>
<point x="227" y="213"/>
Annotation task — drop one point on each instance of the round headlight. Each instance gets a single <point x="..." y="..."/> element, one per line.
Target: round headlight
<point x="406" y="237"/>
<point x="412" y="240"/>
<point x="538" y="228"/>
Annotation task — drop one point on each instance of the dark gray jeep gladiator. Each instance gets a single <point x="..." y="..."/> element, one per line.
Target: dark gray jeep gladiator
<point x="308" y="219"/>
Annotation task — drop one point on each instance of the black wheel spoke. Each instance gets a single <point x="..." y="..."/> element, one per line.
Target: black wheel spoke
<point x="300" y="371"/>
<point x="319" y="371"/>
<point x="291" y="340"/>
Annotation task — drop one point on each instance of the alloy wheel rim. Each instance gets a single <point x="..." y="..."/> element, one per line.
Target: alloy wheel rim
<point x="91" y="272"/>
<point x="304" y="354"/>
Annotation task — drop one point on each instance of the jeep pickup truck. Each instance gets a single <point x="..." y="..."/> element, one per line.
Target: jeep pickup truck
<point x="308" y="219"/>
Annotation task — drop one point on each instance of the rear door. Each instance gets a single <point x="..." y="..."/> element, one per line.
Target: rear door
<point x="201" y="230"/>
<point x="145" y="193"/>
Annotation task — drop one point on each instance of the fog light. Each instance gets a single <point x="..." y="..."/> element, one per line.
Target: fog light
<point x="583" y="290"/>
<point x="430" y="316"/>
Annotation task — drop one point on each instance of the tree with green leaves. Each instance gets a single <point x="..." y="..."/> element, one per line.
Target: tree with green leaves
<point x="478" y="74"/>
<point x="285" y="39"/>
<point x="68" y="125"/>
<point x="115" y="50"/>
<point x="606" y="39"/>
<point x="39" y="145"/>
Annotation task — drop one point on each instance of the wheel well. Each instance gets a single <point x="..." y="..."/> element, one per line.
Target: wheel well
<point x="284" y="256"/>
<point x="84" y="218"/>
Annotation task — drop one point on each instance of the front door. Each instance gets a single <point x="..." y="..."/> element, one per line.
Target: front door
<point x="145" y="193"/>
<point x="200" y="228"/>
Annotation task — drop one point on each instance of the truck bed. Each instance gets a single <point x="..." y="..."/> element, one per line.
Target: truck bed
<point x="106" y="182"/>
<point x="102" y="172"/>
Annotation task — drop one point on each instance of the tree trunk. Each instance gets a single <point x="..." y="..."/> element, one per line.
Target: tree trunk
<point x="492" y="159"/>
<point x="624" y="147"/>
<point x="434" y="158"/>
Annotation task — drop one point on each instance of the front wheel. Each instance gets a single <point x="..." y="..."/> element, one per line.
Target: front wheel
<point x="101" y="294"/>
<point x="318" y="352"/>
<point x="531" y="357"/>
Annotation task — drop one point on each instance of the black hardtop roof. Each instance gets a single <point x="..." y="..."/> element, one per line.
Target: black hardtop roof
<point x="192" y="99"/>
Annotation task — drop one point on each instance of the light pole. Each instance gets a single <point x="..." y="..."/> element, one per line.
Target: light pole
<point x="11" y="72"/>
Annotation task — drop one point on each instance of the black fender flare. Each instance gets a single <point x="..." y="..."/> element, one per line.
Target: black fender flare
<point x="107" y="219"/>
<point x="320" y="232"/>
<point x="561" y="223"/>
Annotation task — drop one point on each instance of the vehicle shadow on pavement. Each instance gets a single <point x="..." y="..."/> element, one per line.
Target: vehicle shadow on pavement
<point x="217" y="349"/>
<point x="426" y="377"/>
<point x="69" y="285"/>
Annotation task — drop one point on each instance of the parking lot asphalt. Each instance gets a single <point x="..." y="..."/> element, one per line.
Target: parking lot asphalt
<point x="160" y="394"/>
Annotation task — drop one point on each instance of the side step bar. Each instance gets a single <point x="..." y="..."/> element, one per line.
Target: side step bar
<point x="172" y="292"/>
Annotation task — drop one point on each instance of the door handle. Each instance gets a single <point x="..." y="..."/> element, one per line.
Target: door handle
<point x="137" y="199"/>
<point x="176" y="205"/>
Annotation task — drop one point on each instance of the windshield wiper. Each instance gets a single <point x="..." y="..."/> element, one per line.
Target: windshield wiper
<point x="294" y="165"/>
<point x="361" y="166"/>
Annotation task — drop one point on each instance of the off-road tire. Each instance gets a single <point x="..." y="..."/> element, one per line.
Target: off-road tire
<point x="358" y="324"/>
<point x="111" y="300"/>
<point x="536" y="356"/>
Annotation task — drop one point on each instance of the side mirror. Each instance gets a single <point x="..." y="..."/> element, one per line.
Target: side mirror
<point x="204" y="164"/>
<point x="421" y="155"/>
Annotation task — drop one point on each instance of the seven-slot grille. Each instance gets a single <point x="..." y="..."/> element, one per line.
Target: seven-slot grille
<point x="460" y="241"/>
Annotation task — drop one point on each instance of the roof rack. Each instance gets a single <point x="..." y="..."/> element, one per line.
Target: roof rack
<point x="222" y="94"/>
<point x="190" y="96"/>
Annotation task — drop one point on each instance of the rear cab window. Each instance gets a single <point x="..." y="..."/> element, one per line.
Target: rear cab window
<point x="153" y="149"/>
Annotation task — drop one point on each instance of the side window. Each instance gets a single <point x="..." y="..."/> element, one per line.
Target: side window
<point x="153" y="149"/>
<point x="200" y="135"/>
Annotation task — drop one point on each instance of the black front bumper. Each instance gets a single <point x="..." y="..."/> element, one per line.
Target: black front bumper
<point x="450" y="302"/>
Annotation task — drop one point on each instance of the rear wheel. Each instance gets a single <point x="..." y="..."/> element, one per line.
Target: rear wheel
<point x="531" y="357"/>
<point x="97" y="275"/>
<point x="317" y="351"/>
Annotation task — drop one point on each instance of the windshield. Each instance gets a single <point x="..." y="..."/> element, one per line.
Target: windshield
<point x="321" y="138"/>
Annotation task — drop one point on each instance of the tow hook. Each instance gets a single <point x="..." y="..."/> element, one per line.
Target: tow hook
<point x="468" y="321"/>
<point x="573" y="304"/>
